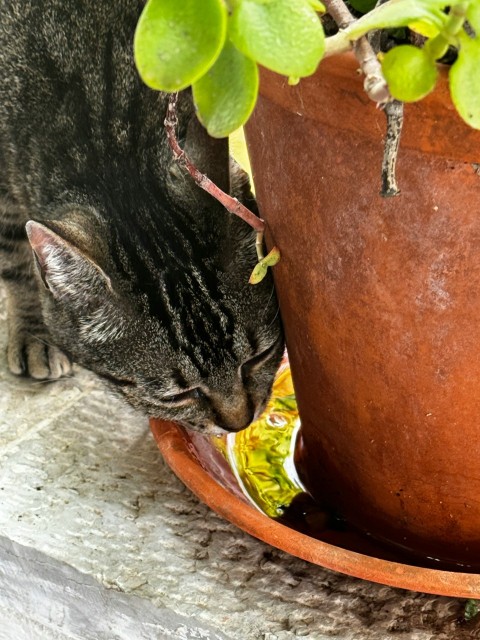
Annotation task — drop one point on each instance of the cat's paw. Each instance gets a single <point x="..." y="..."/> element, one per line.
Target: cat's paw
<point x="28" y="355"/>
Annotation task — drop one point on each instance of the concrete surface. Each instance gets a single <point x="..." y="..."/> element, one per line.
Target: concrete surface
<point x="99" y="541"/>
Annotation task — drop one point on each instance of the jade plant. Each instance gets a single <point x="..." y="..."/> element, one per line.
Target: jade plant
<point x="216" y="46"/>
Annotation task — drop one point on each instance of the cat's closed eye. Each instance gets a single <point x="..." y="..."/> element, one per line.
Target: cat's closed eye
<point x="116" y="381"/>
<point x="184" y="397"/>
<point x="259" y="359"/>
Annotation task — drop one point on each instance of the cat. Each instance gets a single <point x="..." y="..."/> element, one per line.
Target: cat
<point x="110" y="255"/>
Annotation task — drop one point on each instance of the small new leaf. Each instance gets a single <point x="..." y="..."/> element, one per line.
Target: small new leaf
<point x="258" y="273"/>
<point x="261" y="268"/>
<point x="272" y="258"/>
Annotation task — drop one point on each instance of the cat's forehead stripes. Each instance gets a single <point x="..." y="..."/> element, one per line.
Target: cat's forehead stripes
<point x="171" y="267"/>
<point x="178" y="379"/>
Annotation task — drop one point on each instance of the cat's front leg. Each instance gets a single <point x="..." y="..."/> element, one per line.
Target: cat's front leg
<point x="29" y="351"/>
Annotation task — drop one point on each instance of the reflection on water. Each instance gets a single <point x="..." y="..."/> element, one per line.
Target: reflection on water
<point x="262" y="456"/>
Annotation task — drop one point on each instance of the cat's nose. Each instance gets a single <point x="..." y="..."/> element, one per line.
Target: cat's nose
<point x="235" y="415"/>
<point x="237" y="426"/>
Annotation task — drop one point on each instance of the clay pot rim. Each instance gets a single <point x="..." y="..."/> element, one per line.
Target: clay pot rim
<point x="441" y="124"/>
<point x="177" y="453"/>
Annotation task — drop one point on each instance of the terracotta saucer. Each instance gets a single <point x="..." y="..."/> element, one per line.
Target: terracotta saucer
<point x="197" y="461"/>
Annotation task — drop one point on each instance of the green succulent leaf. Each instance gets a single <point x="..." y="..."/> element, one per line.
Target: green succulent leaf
<point x="410" y="73"/>
<point x="317" y="6"/>
<point x="364" y="6"/>
<point x="285" y="36"/>
<point x="272" y="258"/>
<point x="473" y="16"/>
<point x="399" y="13"/>
<point x="464" y="78"/>
<point x="258" y="274"/>
<point x="424" y="28"/>
<point x="225" y="96"/>
<point x="261" y="268"/>
<point x="177" y="42"/>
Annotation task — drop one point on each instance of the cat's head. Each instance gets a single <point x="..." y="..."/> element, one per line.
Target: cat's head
<point x="170" y="321"/>
<point x="205" y="355"/>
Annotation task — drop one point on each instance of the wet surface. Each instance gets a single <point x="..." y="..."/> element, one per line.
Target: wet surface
<point x="259" y="465"/>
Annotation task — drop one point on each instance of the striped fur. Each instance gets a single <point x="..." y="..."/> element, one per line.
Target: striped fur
<point x="135" y="272"/>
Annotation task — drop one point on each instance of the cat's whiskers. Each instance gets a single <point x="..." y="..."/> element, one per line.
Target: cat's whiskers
<point x="49" y="381"/>
<point x="274" y="317"/>
<point x="148" y="383"/>
<point x="267" y="304"/>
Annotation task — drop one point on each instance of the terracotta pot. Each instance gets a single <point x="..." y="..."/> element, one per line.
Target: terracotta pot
<point x="381" y="304"/>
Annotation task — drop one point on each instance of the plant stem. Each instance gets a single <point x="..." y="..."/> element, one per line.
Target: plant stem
<point x="376" y="88"/>
<point x="340" y="13"/>
<point x="231" y="204"/>
<point x="394" y="113"/>
<point x="437" y="47"/>
<point x="259" y="245"/>
<point x="338" y="43"/>
<point x="374" y="84"/>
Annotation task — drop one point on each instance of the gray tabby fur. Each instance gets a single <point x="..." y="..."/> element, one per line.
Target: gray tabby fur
<point x="135" y="272"/>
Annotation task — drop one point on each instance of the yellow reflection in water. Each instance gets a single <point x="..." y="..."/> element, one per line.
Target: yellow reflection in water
<point x="262" y="456"/>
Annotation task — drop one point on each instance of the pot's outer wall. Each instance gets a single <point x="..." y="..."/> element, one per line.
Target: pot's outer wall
<point x="381" y="303"/>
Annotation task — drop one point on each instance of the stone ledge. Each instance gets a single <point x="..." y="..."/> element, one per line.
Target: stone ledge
<point x="53" y="600"/>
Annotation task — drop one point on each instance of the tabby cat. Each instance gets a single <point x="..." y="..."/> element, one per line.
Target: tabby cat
<point x="129" y="268"/>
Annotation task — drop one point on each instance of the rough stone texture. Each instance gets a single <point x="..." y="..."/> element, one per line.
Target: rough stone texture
<point x="62" y="600"/>
<point x="100" y="541"/>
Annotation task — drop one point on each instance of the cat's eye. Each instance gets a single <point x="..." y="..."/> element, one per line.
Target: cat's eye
<point x="184" y="396"/>
<point x="118" y="382"/>
<point x="260" y="358"/>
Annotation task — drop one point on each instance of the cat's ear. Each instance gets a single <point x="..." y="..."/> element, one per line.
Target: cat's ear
<point x="64" y="270"/>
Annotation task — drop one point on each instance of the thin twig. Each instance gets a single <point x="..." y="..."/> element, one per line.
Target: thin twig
<point x="259" y="245"/>
<point x="394" y="116"/>
<point x="374" y="84"/>
<point x="340" y="13"/>
<point x="394" y="112"/>
<point x="231" y="204"/>
<point x="377" y="89"/>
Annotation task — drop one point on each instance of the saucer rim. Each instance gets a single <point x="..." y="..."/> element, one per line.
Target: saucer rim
<point x="174" y="448"/>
